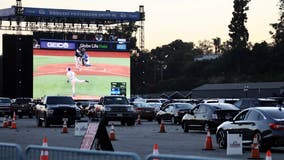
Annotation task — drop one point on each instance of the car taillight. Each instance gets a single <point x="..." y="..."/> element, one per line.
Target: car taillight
<point x="276" y="126"/>
<point x="139" y="109"/>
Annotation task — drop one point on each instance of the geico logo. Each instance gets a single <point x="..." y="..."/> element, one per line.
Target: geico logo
<point x="57" y="45"/>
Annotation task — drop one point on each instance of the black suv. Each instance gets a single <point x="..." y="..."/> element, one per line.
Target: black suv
<point x="117" y="108"/>
<point x="22" y="106"/>
<point x="54" y="109"/>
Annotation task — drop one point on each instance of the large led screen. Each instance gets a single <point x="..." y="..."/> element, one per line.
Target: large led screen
<point x="104" y="68"/>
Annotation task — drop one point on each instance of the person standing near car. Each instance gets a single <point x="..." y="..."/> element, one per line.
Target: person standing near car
<point x="71" y="77"/>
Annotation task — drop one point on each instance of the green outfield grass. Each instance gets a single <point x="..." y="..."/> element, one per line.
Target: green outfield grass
<point x="57" y="85"/>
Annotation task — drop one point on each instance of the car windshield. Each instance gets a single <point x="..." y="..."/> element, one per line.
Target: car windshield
<point x="184" y="106"/>
<point x="154" y="104"/>
<point x="141" y="104"/>
<point x="115" y="100"/>
<point x="5" y="100"/>
<point x="23" y="100"/>
<point x="60" y="100"/>
<point x="226" y="107"/>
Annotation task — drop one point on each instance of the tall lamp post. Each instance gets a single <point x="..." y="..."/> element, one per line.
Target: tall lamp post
<point x="246" y="87"/>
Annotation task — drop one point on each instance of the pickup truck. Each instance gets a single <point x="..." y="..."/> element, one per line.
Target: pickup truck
<point x="117" y="108"/>
<point x="54" y="109"/>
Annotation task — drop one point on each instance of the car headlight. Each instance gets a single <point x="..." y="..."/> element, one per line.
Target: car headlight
<point x="130" y="108"/>
<point x="107" y="109"/>
<point x="50" y="111"/>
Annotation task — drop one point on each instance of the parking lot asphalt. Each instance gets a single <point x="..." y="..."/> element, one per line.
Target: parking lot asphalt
<point x="138" y="139"/>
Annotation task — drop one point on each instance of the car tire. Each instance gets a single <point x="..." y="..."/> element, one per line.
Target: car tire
<point x="131" y="123"/>
<point x="260" y="142"/>
<point x="174" y="121"/>
<point x="221" y="139"/>
<point x="38" y="122"/>
<point x="159" y="120"/>
<point x="45" y="123"/>
<point x="185" y="128"/>
<point x="122" y="123"/>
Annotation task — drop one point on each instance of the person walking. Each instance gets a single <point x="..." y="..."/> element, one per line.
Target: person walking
<point x="71" y="77"/>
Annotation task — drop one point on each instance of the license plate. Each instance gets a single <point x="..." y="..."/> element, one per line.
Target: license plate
<point x="119" y="115"/>
<point x="19" y="110"/>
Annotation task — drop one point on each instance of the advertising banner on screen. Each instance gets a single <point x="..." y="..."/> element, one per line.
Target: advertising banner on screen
<point x="57" y="45"/>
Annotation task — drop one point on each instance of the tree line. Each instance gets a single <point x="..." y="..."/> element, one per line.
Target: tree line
<point x="173" y="67"/>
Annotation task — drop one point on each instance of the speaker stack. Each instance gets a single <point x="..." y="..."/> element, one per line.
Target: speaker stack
<point x="17" y="65"/>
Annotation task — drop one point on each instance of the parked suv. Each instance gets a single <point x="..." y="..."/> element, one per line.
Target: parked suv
<point x="117" y="108"/>
<point x="54" y="109"/>
<point x="22" y="106"/>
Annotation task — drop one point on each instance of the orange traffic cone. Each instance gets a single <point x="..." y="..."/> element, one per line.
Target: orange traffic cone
<point x="155" y="149"/>
<point x="14" y="116"/>
<point x="268" y="155"/>
<point x="162" y="127"/>
<point x="14" y="125"/>
<point x="138" y="119"/>
<point x="208" y="142"/>
<point x="5" y="123"/>
<point x="9" y="121"/>
<point x="112" y="133"/>
<point x="64" y="129"/>
<point x="255" y="150"/>
<point x="44" y="152"/>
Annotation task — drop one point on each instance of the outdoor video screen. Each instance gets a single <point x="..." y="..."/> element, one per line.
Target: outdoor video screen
<point x="102" y="70"/>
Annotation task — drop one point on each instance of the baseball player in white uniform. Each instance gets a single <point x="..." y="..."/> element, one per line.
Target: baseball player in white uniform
<point x="73" y="79"/>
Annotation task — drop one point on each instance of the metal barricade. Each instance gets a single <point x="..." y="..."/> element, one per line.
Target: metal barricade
<point x="10" y="151"/>
<point x="177" y="157"/>
<point x="33" y="152"/>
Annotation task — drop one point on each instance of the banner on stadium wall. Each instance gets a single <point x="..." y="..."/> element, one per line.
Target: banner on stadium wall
<point x="88" y="45"/>
<point x="57" y="45"/>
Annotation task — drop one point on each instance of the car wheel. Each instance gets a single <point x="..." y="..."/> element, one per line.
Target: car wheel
<point x="159" y="120"/>
<point x="44" y="123"/>
<point x="185" y="128"/>
<point x="39" y="123"/>
<point x="221" y="139"/>
<point x="122" y="123"/>
<point x="174" y="120"/>
<point x="260" y="142"/>
<point x="131" y="123"/>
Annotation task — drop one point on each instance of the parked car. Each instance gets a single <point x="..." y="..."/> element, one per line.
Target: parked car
<point x="117" y="108"/>
<point x="5" y="104"/>
<point x="266" y="123"/>
<point x="206" y="116"/>
<point x="145" y="110"/>
<point x="173" y="112"/>
<point x="22" y="106"/>
<point x="155" y="105"/>
<point x="54" y="109"/>
<point x="244" y="103"/>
